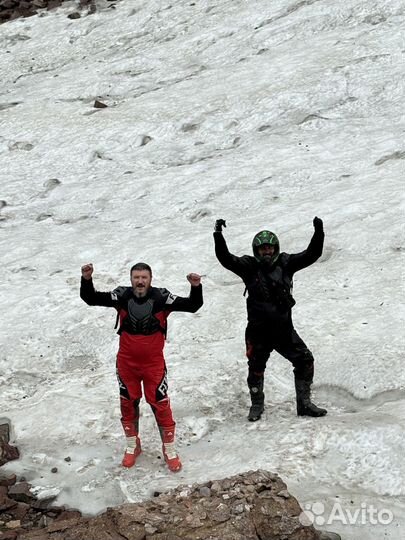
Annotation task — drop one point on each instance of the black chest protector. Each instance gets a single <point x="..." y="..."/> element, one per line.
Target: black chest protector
<point x="140" y="318"/>
<point x="272" y="285"/>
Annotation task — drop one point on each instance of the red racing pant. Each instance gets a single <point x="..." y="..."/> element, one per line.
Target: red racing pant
<point x="140" y="361"/>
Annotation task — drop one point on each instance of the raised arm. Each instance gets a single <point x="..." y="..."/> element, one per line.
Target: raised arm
<point x="190" y="304"/>
<point x="90" y="295"/>
<point x="298" y="261"/>
<point x="237" y="265"/>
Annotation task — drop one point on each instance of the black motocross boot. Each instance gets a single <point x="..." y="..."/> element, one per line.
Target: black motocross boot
<point x="257" y="396"/>
<point x="305" y="407"/>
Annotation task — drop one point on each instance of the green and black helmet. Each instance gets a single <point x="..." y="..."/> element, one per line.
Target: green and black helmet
<point x="266" y="237"/>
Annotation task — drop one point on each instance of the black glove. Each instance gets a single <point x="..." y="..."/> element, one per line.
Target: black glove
<point x="318" y="224"/>
<point x="219" y="224"/>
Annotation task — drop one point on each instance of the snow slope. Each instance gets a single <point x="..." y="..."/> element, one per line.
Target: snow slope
<point x="264" y="114"/>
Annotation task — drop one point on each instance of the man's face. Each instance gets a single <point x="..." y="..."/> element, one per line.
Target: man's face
<point x="140" y="281"/>
<point x="265" y="250"/>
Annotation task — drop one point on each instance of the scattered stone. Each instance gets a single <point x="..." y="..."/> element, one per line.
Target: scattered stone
<point x="189" y="127"/>
<point x="52" y="183"/>
<point x="93" y="7"/>
<point x="8" y="480"/>
<point x="43" y="217"/>
<point x="42" y="504"/>
<point x="205" y="491"/>
<point x="145" y="140"/>
<point x="7" y="4"/>
<point x="13" y="9"/>
<point x="21" y="492"/>
<point x="99" y="105"/>
<point x="10" y="535"/>
<point x="7" y="452"/>
<point x="5" y="502"/>
<point x="44" y="521"/>
<point x="74" y="15"/>
<point x="52" y="4"/>
<point x="19" y="511"/>
<point x="13" y="524"/>
<point x="21" y="145"/>
<point x="69" y="515"/>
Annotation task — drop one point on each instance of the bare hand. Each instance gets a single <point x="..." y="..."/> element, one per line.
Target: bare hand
<point x="87" y="271"/>
<point x="194" y="279"/>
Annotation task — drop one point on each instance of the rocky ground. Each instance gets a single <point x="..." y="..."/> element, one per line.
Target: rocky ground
<point x="20" y="510"/>
<point x="13" y="9"/>
<point x="255" y="505"/>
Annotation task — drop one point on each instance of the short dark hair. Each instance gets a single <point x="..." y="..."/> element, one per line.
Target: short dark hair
<point x="141" y="266"/>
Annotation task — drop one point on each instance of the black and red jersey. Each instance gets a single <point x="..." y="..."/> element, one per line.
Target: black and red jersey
<point x="141" y="315"/>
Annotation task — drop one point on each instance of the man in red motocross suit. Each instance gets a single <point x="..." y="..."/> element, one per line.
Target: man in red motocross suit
<point x="142" y="311"/>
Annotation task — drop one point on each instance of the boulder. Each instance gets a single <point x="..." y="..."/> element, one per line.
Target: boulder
<point x="7" y="452"/>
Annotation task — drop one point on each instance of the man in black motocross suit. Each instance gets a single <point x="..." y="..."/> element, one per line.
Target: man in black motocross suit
<point x="268" y="278"/>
